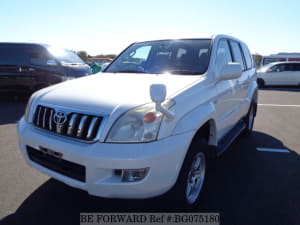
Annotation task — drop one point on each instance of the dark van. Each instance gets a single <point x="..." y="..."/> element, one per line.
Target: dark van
<point x="25" y="68"/>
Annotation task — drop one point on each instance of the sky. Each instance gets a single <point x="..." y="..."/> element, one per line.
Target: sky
<point x="107" y="27"/>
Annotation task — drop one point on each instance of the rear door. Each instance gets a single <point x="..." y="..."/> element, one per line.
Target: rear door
<point x="296" y="74"/>
<point x="293" y="73"/>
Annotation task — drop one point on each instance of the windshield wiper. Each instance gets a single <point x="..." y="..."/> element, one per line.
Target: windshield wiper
<point x="184" y="72"/>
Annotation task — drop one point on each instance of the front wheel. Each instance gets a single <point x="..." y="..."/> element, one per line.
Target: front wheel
<point x="195" y="178"/>
<point x="192" y="175"/>
<point x="249" y="120"/>
<point x="260" y="83"/>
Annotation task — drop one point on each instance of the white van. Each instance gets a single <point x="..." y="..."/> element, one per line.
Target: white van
<point x="280" y="57"/>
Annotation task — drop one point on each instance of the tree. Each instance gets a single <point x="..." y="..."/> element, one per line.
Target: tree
<point x="83" y="55"/>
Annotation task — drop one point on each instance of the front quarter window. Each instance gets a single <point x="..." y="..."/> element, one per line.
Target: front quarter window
<point x="183" y="56"/>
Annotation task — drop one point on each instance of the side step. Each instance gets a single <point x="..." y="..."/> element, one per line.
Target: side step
<point x="230" y="137"/>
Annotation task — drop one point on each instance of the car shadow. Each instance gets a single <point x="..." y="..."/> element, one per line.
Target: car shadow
<point x="12" y="108"/>
<point x="244" y="185"/>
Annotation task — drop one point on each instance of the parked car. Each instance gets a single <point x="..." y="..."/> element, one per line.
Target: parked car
<point x="151" y="123"/>
<point x="98" y="64"/>
<point x="25" y="67"/>
<point x="279" y="73"/>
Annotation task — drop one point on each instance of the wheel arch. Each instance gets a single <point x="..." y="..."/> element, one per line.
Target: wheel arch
<point x="201" y="121"/>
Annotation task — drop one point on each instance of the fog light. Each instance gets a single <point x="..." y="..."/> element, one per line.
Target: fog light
<point x="133" y="175"/>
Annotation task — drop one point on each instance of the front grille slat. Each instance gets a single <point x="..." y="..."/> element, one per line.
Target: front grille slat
<point x="76" y="125"/>
<point x="59" y="128"/>
<point x="50" y="119"/>
<point x="91" y="128"/>
<point x="44" y="117"/>
<point x="80" y="126"/>
<point x="71" y="124"/>
<point x="38" y="116"/>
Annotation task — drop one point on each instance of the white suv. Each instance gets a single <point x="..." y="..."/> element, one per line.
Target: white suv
<point x="149" y="123"/>
<point x="279" y="73"/>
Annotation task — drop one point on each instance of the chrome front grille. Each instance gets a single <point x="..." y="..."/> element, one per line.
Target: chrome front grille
<point x="72" y="124"/>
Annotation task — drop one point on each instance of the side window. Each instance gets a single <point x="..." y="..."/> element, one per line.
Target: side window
<point x="278" y="68"/>
<point x="237" y="54"/>
<point x="293" y="67"/>
<point x="38" y="56"/>
<point x="223" y="55"/>
<point x="248" y="57"/>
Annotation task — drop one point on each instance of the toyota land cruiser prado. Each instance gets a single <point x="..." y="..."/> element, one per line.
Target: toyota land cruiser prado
<point x="149" y="123"/>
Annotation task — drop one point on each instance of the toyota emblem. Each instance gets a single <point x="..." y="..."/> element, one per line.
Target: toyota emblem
<point x="59" y="118"/>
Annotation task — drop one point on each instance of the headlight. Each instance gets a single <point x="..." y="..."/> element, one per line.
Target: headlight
<point x="140" y="124"/>
<point x="27" y="110"/>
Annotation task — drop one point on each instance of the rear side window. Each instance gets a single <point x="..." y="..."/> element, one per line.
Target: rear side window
<point x="237" y="54"/>
<point x="248" y="57"/>
<point x="292" y="67"/>
<point x="12" y="55"/>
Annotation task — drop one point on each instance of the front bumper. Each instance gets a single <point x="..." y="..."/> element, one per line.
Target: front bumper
<point x="163" y="157"/>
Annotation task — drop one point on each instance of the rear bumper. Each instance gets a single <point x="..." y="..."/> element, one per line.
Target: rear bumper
<point x="100" y="160"/>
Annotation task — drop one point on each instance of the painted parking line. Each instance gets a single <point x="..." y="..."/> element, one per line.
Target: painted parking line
<point x="279" y="150"/>
<point x="276" y="105"/>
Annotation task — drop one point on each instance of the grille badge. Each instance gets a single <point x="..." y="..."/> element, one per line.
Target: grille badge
<point x="59" y="118"/>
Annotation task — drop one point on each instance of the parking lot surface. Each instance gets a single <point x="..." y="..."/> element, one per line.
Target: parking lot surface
<point x="256" y="181"/>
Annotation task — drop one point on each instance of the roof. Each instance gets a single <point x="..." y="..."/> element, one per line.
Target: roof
<point x="282" y="62"/>
<point x="23" y="43"/>
<point x="186" y="36"/>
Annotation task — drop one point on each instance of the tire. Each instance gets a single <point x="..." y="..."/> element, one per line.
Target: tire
<point x="190" y="181"/>
<point x="249" y="120"/>
<point x="260" y="83"/>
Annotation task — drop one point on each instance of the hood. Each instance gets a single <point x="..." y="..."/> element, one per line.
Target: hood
<point x="104" y="92"/>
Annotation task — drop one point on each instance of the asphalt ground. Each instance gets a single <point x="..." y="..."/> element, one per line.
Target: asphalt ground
<point x="244" y="185"/>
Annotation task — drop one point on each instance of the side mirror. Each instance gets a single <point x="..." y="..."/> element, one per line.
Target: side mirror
<point x="51" y="62"/>
<point x="158" y="94"/>
<point x="231" y="71"/>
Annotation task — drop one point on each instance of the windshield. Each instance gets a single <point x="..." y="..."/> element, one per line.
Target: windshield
<point x="183" y="56"/>
<point x="65" y="57"/>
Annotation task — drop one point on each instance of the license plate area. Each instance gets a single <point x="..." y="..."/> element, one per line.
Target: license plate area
<point x="53" y="160"/>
